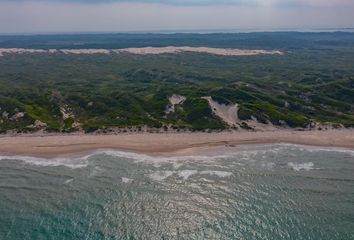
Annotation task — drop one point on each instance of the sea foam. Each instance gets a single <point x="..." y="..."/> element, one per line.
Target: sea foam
<point x="185" y="174"/>
<point x="217" y="173"/>
<point x="161" y="175"/>
<point x="51" y="162"/>
<point x="301" y="166"/>
<point x="243" y="153"/>
<point x="69" y="181"/>
<point x="127" y="180"/>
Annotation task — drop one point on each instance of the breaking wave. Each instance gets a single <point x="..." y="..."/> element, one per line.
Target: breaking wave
<point x="243" y="153"/>
<point x="301" y="166"/>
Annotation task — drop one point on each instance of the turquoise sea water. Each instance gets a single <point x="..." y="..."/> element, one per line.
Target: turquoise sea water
<point x="260" y="192"/>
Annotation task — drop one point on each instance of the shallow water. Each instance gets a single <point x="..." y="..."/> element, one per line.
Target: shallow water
<point x="264" y="192"/>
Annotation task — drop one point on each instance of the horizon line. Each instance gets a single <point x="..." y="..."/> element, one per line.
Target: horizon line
<point x="190" y="31"/>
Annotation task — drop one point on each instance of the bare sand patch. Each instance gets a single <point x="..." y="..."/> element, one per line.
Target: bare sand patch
<point x="147" y="51"/>
<point x="85" y="51"/>
<point x="228" y="113"/>
<point x="20" y="51"/>
<point x="177" y="99"/>
<point x="214" y="51"/>
<point x="174" y="100"/>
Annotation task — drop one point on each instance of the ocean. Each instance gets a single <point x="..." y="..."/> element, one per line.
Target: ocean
<point x="263" y="192"/>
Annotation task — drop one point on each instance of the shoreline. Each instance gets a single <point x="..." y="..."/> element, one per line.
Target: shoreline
<point x="165" y="144"/>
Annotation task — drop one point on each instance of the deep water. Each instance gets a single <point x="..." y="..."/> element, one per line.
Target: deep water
<point x="263" y="192"/>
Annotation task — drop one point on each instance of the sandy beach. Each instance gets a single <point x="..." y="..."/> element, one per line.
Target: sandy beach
<point x="169" y="143"/>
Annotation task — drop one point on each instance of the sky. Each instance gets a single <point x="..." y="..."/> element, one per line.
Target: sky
<point x="46" y="16"/>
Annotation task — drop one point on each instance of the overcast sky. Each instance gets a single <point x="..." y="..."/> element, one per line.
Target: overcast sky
<point x="22" y="16"/>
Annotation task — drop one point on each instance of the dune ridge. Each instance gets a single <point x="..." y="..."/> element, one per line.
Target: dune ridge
<point x="145" y="51"/>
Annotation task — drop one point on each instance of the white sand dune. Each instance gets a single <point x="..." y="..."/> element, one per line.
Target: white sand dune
<point x="214" y="51"/>
<point x="85" y="51"/>
<point x="20" y="51"/>
<point x="174" y="100"/>
<point x="146" y="51"/>
<point x="228" y="113"/>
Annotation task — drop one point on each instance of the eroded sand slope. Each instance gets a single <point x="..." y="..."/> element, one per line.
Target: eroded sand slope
<point x="228" y="113"/>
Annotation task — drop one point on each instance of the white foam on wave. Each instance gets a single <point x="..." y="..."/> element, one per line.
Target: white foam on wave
<point x="185" y="174"/>
<point x="177" y="165"/>
<point x="301" y="166"/>
<point x="161" y="175"/>
<point x="252" y="154"/>
<point x="127" y="180"/>
<point x="216" y="173"/>
<point x="243" y="153"/>
<point x="81" y="162"/>
<point x="96" y="171"/>
<point x="177" y="161"/>
<point x="68" y="181"/>
<point x="308" y="148"/>
<point x="269" y="165"/>
<point x="51" y="162"/>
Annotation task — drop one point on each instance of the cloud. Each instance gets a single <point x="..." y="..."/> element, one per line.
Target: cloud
<point x="211" y="2"/>
<point x="64" y="16"/>
<point x="314" y="3"/>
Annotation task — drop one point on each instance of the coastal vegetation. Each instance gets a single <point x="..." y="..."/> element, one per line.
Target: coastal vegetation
<point x="312" y="82"/>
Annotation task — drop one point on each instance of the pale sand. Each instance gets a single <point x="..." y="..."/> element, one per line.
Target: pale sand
<point x="21" y="51"/>
<point x="169" y="143"/>
<point x="213" y="51"/>
<point x="174" y="100"/>
<point x="85" y="51"/>
<point x="228" y="113"/>
<point x="146" y="51"/>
